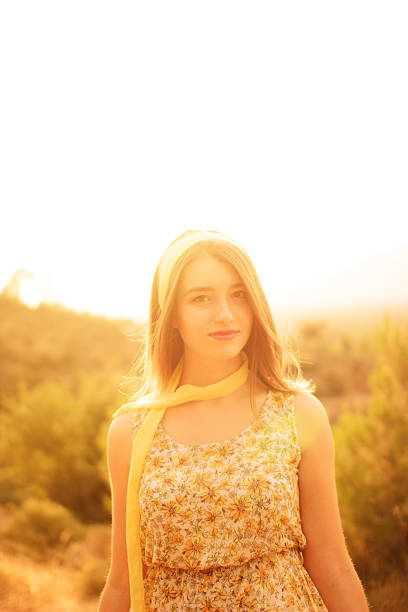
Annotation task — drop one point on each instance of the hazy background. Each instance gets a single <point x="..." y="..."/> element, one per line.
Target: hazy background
<point x="124" y="124"/>
<point x="283" y="125"/>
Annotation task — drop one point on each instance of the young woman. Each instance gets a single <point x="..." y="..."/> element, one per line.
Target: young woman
<point x="222" y="465"/>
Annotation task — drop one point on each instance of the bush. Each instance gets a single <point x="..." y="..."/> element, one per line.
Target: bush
<point x="95" y="545"/>
<point x="93" y="577"/>
<point x="372" y="465"/>
<point x="98" y="541"/>
<point x="41" y="524"/>
<point x="53" y="445"/>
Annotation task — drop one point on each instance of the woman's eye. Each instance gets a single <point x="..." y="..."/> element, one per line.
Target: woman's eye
<point x="198" y="298"/>
<point x="202" y="298"/>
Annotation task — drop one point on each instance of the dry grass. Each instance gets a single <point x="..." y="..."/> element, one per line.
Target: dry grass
<point x="68" y="583"/>
<point x="26" y="586"/>
<point x="390" y="595"/>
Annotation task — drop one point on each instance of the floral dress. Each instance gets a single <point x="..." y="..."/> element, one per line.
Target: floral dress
<point x="219" y="522"/>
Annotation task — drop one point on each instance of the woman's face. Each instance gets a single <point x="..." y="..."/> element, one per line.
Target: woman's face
<point x="211" y="297"/>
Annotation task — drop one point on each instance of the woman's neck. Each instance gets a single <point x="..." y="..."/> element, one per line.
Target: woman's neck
<point x="202" y="372"/>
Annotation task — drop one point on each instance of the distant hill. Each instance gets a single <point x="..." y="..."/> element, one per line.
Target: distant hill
<point x="51" y="342"/>
<point x="376" y="281"/>
<point x="356" y="319"/>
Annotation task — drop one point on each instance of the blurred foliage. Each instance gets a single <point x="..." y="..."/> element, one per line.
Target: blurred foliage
<point x="389" y="594"/>
<point x="60" y="379"/>
<point x="92" y="578"/>
<point x="51" y="342"/>
<point x="53" y="445"/>
<point x="338" y="361"/>
<point x="372" y="464"/>
<point x="13" y="591"/>
<point x="60" y="375"/>
<point x="41" y="525"/>
<point x="6" y="582"/>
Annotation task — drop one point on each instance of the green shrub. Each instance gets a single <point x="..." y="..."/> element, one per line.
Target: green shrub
<point x="53" y="445"/>
<point x="41" y="524"/>
<point x="92" y="579"/>
<point x="98" y="541"/>
<point x="372" y="465"/>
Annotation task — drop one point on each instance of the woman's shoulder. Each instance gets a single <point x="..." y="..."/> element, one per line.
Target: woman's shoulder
<point x="121" y="423"/>
<point x="311" y="418"/>
<point x="307" y="403"/>
<point x="119" y="446"/>
<point x="125" y="425"/>
<point x="120" y="430"/>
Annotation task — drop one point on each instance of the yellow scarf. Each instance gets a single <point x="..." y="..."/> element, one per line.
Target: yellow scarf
<point x="173" y="396"/>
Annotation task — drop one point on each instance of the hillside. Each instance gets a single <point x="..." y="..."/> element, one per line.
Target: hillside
<point x="51" y="342"/>
<point x="378" y="281"/>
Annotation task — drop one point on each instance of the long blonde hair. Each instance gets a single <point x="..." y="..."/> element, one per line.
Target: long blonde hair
<point x="269" y="358"/>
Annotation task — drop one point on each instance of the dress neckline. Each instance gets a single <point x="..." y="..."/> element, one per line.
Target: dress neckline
<point x="249" y="427"/>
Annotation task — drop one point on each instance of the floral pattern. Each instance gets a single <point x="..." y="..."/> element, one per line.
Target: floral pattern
<point x="220" y="522"/>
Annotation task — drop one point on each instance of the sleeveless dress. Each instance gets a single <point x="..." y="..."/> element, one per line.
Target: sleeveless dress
<point x="219" y="522"/>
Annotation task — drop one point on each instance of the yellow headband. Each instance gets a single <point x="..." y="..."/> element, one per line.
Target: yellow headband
<point x="176" y="249"/>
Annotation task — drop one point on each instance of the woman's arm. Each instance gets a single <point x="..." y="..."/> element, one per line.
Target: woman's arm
<point x="115" y="596"/>
<point x="326" y="557"/>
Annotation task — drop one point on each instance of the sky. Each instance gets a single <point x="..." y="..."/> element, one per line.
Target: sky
<point x="124" y="124"/>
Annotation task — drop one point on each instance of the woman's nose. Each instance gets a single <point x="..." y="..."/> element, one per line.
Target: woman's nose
<point x="223" y="311"/>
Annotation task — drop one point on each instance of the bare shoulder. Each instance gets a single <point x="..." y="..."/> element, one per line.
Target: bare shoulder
<point x="120" y="441"/>
<point x="312" y="422"/>
<point x="122" y="425"/>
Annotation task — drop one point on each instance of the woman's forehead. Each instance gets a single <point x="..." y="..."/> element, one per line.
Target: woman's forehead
<point x="208" y="271"/>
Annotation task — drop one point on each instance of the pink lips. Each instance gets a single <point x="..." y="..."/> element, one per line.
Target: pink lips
<point x="225" y="335"/>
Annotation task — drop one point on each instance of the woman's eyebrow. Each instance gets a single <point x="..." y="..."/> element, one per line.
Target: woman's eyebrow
<point x="192" y="289"/>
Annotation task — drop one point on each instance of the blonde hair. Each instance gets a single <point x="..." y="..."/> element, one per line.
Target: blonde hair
<point x="269" y="359"/>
